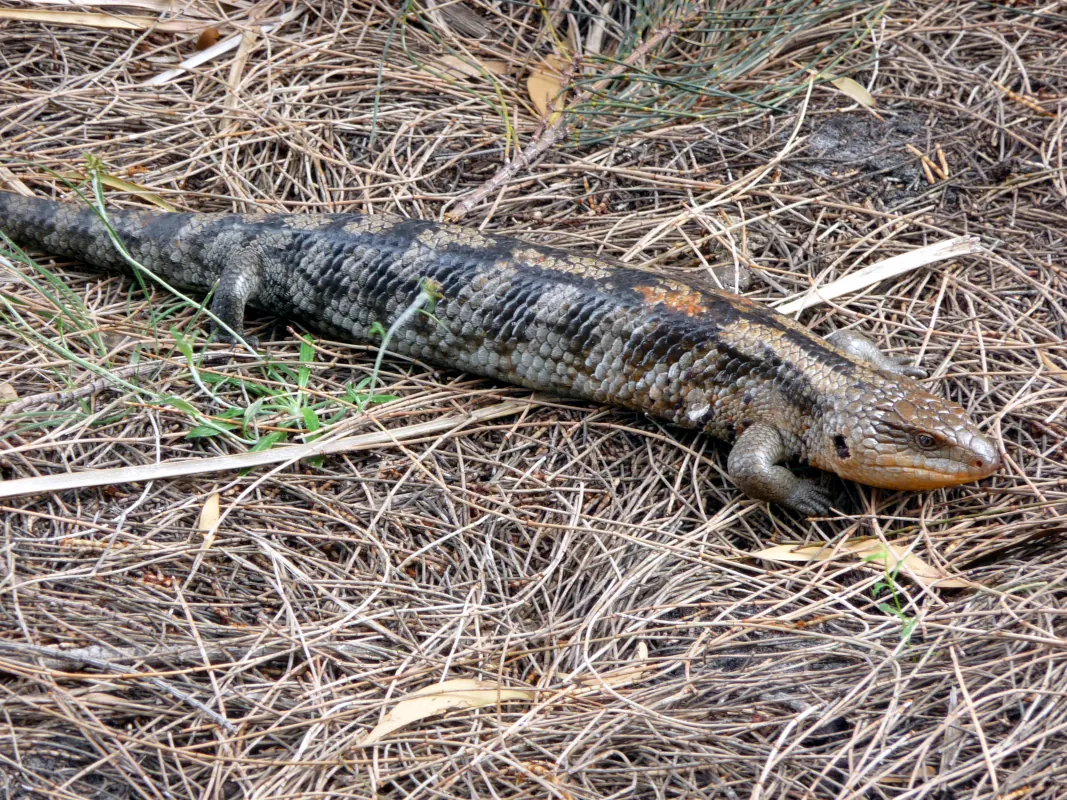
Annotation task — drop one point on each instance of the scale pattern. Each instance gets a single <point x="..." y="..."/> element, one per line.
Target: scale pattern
<point x="539" y="317"/>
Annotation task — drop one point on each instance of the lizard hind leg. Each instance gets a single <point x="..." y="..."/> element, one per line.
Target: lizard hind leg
<point x="755" y="466"/>
<point x="238" y="284"/>
<point x="859" y="346"/>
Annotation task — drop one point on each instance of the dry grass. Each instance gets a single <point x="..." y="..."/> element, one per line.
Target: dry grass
<point x="594" y="557"/>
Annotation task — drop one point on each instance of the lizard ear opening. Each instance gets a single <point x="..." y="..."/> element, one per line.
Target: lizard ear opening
<point x="841" y="447"/>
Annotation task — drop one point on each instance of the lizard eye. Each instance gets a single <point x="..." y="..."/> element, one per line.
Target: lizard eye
<point x="926" y="441"/>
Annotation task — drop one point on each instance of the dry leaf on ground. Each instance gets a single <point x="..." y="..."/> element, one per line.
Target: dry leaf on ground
<point x="471" y="67"/>
<point x="126" y="186"/>
<point x="545" y="87"/>
<point x="855" y="91"/>
<point x="869" y="551"/>
<point x="624" y="676"/>
<point x="108" y="21"/>
<point x="882" y="270"/>
<point x="441" y="697"/>
<point x="209" y="517"/>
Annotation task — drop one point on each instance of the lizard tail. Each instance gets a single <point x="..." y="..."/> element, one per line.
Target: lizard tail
<point x="63" y="229"/>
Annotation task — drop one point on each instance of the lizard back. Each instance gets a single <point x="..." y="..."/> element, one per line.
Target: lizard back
<point x="529" y="314"/>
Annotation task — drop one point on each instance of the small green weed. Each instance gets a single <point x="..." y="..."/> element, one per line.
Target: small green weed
<point x="889" y="585"/>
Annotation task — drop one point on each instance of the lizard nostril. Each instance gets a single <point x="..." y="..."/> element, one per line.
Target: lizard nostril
<point x="979" y="463"/>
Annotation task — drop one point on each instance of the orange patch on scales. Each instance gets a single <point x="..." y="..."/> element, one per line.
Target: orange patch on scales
<point x="676" y="298"/>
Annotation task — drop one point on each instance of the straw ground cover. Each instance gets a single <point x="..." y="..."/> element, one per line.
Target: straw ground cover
<point x="588" y="576"/>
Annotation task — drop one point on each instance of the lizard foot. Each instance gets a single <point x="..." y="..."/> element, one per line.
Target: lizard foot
<point x="222" y="337"/>
<point x="809" y="499"/>
<point x="905" y="368"/>
<point x="864" y="349"/>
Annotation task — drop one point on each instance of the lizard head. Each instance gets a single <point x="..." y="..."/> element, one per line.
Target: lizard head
<point x="903" y="440"/>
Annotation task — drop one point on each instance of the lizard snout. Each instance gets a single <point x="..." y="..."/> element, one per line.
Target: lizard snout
<point x="984" y="457"/>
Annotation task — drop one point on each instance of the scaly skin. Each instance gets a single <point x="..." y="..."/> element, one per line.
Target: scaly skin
<point x="551" y="320"/>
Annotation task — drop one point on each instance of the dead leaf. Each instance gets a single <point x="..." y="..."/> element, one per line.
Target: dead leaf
<point x="882" y="270"/>
<point x="545" y="86"/>
<point x="624" y="676"/>
<point x="117" y="22"/>
<point x="209" y="518"/>
<point x="125" y="186"/>
<point x="439" y="698"/>
<point x="869" y="551"/>
<point x="855" y="91"/>
<point x="140" y="191"/>
<point x="161" y="6"/>
<point x="7" y="392"/>
<point x="209" y="38"/>
<point x="104" y="699"/>
<point x="473" y="68"/>
<point x="1050" y="365"/>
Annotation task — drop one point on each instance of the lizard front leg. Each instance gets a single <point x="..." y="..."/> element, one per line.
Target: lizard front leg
<point x="238" y="283"/>
<point x="861" y="347"/>
<point x="755" y="466"/>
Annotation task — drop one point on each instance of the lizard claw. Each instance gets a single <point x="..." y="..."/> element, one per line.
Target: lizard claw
<point x="809" y="499"/>
<point x="901" y="365"/>
<point x="251" y="341"/>
<point x="223" y="337"/>
<point x="909" y="370"/>
<point x="864" y="349"/>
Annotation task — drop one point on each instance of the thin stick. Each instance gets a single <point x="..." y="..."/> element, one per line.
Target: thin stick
<point x="53" y="655"/>
<point x="198" y="466"/>
<point x="972" y="710"/>
<point x="66" y="396"/>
